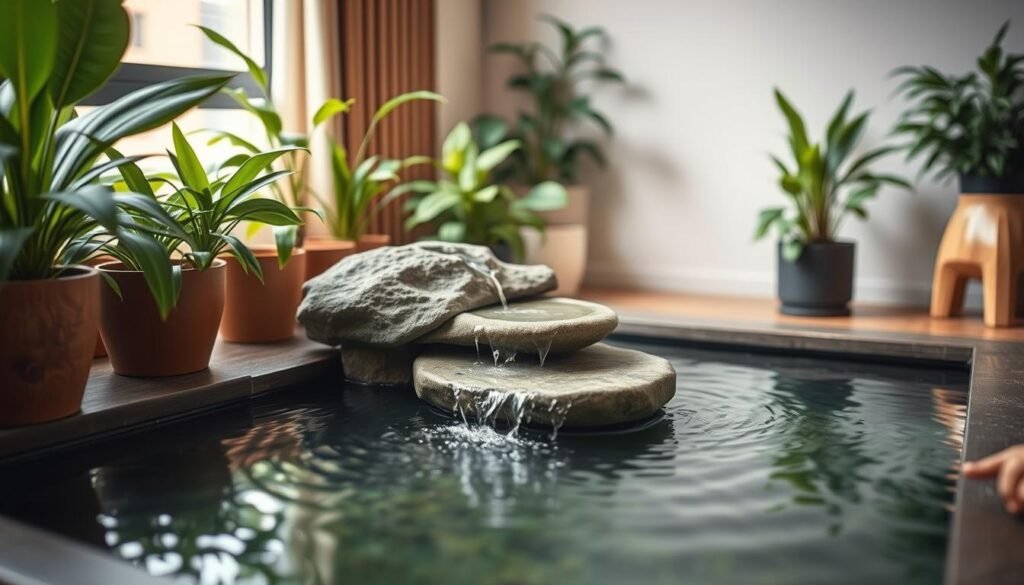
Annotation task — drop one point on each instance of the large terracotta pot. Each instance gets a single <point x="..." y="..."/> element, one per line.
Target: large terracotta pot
<point x="322" y="253"/>
<point x="140" y="344"/>
<point x="372" y="242"/>
<point x="262" y="312"/>
<point x="47" y="337"/>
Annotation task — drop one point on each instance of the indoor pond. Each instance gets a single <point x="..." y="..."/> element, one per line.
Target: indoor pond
<point x="762" y="469"/>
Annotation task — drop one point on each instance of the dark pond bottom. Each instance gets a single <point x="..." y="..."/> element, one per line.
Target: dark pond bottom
<point x="763" y="470"/>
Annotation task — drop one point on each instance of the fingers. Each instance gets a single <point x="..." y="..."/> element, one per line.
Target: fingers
<point x="1007" y="485"/>
<point x="987" y="467"/>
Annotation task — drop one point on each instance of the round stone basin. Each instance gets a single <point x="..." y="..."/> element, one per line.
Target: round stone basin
<point x="594" y="387"/>
<point x="529" y="328"/>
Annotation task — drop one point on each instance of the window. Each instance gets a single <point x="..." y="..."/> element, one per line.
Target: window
<point x="165" y="45"/>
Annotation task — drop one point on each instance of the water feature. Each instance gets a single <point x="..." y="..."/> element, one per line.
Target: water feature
<point x="760" y="470"/>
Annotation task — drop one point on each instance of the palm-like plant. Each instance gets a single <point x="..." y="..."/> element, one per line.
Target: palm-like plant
<point x="552" y="80"/>
<point x="971" y="124"/>
<point x="466" y="206"/>
<point x="194" y="216"/>
<point x="53" y="54"/>
<point x="825" y="186"/>
<point x="355" y="191"/>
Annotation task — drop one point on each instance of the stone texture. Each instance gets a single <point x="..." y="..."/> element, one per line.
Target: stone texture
<point x="390" y="296"/>
<point x="594" y="387"/>
<point x="532" y="326"/>
<point x="390" y="366"/>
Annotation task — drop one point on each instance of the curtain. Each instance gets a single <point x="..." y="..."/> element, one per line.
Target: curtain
<point x="370" y="50"/>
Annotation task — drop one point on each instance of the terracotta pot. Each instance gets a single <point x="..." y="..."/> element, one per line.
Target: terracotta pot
<point x="564" y="249"/>
<point x="372" y="242"/>
<point x="47" y="336"/>
<point x="140" y="344"/>
<point x="321" y="254"/>
<point x="100" y="350"/>
<point x="256" y="312"/>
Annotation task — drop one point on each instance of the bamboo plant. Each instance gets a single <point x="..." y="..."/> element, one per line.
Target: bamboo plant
<point x="824" y="185"/>
<point x="52" y="55"/>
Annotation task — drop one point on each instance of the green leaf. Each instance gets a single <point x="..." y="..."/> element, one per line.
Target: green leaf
<point x="257" y="72"/>
<point x="487" y="194"/>
<point x="434" y="205"/>
<point x="94" y="201"/>
<point x="330" y="108"/>
<point x="92" y="38"/>
<point x="394" y="102"/>
<point x="452" y="231"/>
<point x="546" y="196"/>
<point x="792" y="249"/>
<point x="285" y="237"/>
<point x="190" y="170"/>
<point x="267" y="211"/>
<point x="797" y="130"/>
<point x="162" y="278"/>
<point x="766" y="219"/>
<point x="490" y="130"/>
<point x="494" y="156"/>
<point x="28" y="47"/>
<point x="244" y="255"/>
<point x="262" y="109"/>
<point x="453" y="151"/>
<point x="233" y="139"/>
<point x="11" y="241"/>
<point x="252" y="167"/>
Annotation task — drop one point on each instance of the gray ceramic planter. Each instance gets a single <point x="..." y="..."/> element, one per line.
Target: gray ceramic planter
<point x="820" y="282"/>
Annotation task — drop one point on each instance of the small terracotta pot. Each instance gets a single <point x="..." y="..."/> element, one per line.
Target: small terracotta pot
<point x="256" y="312"/>
<point x="140" y="344"/>
<point x="321" y="254"/>
<point x="100" y="350"/>
<point x="47" y="336"/>
<point x="372" y="242"/>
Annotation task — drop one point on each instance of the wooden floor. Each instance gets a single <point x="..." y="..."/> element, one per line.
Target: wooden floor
<point x="759" y="312"/>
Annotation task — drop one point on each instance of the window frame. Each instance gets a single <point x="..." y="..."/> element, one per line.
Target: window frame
<point x="130" y="77"/>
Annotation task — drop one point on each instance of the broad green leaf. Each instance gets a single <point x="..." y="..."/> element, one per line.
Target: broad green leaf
<point x="261" y="108"/>
<point x="28" y="47"/>
<point x="452" y="231"/>
<point x="92" y="38"/>
<point x="190" y="170"/>
<point x="267" y="211"/>
<point x="797" y="130"/>
<point x="233" y="139"/>
<point x="490" y="130"/>
<point x="487" y="194"/>
<point x="330" y="108"/>
<point x="494" y="156"/>
<point x="766" y="219"/>
<point x="163" y="279"/>
<point x="546" y="196"/>
<point x="434" y="205"/>
<point x="11" y="241"/>
<point x="792" y="249"/>
<point x="453" y="151"/>
<point x="244" y="255"/>
<point x="94" y="201"/>
<point x="257" y="72"/>
<point x="285" y="237"/>
<point x="252" y="167"/>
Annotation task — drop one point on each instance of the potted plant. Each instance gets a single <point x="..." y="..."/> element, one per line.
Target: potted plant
<point x="358" y="182"/>
<point x="467" y="206"/>
<point x="52" y="55"/>
<point x="556" y="81"/>
<point x="972" y="126"/>
<point x="149" y="335"/>
<point x="825" y="185"/>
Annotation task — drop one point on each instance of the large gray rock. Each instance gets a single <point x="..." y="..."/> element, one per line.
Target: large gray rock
<point x="391" y="296"/>
<point x="389" y="366"/>
<point x="532" y="326"/>
<point x="597" y="386"/>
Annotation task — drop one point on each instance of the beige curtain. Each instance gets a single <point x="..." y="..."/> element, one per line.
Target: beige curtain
<point x="307" y="71"/>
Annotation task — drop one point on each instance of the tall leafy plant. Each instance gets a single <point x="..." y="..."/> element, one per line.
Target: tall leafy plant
<point x="556" y="81"/>
<point x="53" y="54"/>
<point x="360" y="180"/>
<point x="198" y="212"/>
<point x="970" y="124"/>
<point x="825" y="183"/>
<point x="467" y="206"/>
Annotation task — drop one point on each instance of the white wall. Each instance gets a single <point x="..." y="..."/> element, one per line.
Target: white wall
<point x="689" y="167"/>
<point x="459" y="61"/>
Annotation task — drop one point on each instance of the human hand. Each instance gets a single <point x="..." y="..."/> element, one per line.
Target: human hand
<point x="1008" y="467"/>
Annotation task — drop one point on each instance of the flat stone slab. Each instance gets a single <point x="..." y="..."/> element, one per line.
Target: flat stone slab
<point x="597" y="386"/>
<point x="390" y="366"/>
<point x="389" y="297"/>
<point x="536" y="326"/>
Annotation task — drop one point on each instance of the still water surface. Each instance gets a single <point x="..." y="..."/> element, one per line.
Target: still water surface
<point x="762" y="470"/>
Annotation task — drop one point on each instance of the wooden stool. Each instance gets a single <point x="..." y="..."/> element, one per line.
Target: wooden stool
<point x="984" y="239"/>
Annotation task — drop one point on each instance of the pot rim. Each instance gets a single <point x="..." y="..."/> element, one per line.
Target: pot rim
<point x="81" y="271"/>
<point x="840" y="243"/>
<point x="264" y="251"/>
<point x="317" y="244"/>
<point x="109" y="267"/>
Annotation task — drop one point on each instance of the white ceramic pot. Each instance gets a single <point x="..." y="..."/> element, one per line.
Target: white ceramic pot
<point x="564" y="249"/>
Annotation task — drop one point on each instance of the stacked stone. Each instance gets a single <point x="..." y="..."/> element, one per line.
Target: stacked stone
<point x="430" y="315"/>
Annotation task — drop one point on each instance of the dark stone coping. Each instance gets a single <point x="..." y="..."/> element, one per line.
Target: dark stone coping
<point x="985" y="545"/>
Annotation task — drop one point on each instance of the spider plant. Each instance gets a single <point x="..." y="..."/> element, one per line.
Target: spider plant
<point x="555" y="81"/>
<point x="824" y="186"/>
<point x="53" y="54"/>
<point x="971" y="124"/>
<point x="198" y="213"/>
<point x="356" y="190"/>
<point x="466" y="206"/>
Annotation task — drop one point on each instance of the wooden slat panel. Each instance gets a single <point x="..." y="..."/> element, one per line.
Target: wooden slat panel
<point x="388" y="49"/>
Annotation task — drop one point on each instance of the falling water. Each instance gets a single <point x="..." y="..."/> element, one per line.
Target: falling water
<point x="497" y="287"/>
<point x="476" y="340"/>
<point x="542" y="350"/>
<point x="514" y="408"/>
